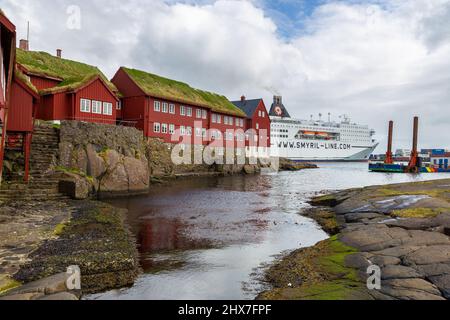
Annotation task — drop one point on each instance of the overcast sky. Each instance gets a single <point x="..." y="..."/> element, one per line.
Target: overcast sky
<point x="373" y="60"/>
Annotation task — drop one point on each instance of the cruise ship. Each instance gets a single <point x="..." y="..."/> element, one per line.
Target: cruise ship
<point x="318" y="140"/>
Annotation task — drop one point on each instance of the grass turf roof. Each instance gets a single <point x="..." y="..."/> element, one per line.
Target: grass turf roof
<point x="72" y="73"/>
<point x="19" y="75"/>
<point x="160" y="87"/>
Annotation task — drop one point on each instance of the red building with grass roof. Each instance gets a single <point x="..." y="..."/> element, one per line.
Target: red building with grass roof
<point x="7" y="58"/>
<point x="159" y="106"/>
<point x="69" y="90"/>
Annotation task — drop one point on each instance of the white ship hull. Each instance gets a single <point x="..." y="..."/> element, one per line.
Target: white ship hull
<point x="321" y="150"/>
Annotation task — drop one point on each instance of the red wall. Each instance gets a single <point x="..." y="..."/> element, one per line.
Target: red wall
<point x="66" y="106"/>
<point x="20" y="116"/>
<point x="264" y="123"/>
<point x="126" y="86"/>
<point x="43" y="83"/>
<point x="95" y="91"/>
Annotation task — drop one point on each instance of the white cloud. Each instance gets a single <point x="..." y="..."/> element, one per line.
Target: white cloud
<point x="378" y="61"/>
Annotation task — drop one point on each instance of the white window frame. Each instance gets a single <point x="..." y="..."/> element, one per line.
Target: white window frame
<point x="214" y="118"/>
<point x="189" y="131"/>
<point x="204" y="114"/>
<point x="171" y="128"/>
<point x="189" y="111"/>
<point x="171" y="108"/>
<point x="198" y="113"/>
<point x="219" y="118"/>
<point x="107" y="108"/>
<point x="85" y="105"/>
<point x="182" y="110"/>
<point x="157" y="106"/>
<point x="119" y="105"/>
<point x="165" y="107"/>
<point x="182" y="130"/>
<point x="157" y="127"/>
<point x="96" y="107"/>
<point x="198" y="132"/>
<point x="164" y="128"/>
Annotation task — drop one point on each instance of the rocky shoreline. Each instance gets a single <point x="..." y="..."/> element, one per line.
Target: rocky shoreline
<point x="88" y="234"/>
<point x="403" y="229"/>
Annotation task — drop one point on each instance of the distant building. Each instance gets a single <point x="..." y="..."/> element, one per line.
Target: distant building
<point x="69" y="90"/>
<point x="440" y="160"/>
<point x="403" y="153"/>
<point x="258" y="120"/>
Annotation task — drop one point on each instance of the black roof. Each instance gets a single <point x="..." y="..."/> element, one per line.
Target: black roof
<point x="284" y="113"/>
<point x="248" y="106"/>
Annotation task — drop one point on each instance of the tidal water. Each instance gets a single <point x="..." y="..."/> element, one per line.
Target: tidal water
<point x="210" y="238"/>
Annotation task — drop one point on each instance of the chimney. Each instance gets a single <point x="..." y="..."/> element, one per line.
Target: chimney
<point x="243" y="98"/>
<point x="59" y="53"/>
<point x="277" y="100"/>
<point x="24" y="45"/>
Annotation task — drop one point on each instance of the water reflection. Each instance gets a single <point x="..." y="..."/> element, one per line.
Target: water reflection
<point x="203" y="238"/>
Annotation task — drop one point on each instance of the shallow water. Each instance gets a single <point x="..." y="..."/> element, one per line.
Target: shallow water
<point x="208" y="238"/>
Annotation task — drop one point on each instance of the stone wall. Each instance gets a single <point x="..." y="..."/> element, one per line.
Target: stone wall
<point x="102" y="159"/>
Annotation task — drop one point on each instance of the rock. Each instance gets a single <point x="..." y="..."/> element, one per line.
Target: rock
<point x="383" y="261"/>
<point x="399" y="272"/>
<point x="374" y="238"/>
<point x="138" y="174"/>
<point x="443" y="283"/>
<point x="425" y="238"/>
<point x="96" y="164"/>
<point x="66" y="150"/>
<point x="410" y="289"/>
<point x="79" y="160"/>
<point x="50" y="285"/>
<point x="413" y="224"/>
<point x="22" y="296"/>
<point x="398" y="251"/>
<point x="357" y="261"/>
<point x="358" y="216"/>
<point x="63" y="296"/>
<point x="249" y="169"/>
<point x="75" y="186"/>
<point x="430" y="270"/>
<point x="429" y="255"/>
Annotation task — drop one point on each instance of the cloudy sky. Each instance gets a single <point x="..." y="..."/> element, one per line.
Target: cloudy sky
<point x="374" y="60"/>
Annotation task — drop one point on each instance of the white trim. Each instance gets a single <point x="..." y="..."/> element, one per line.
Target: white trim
<point x="85" y="105"/>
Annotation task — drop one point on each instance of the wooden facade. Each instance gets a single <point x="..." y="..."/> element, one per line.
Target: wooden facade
<point x="161" y="117"/>
<point x="7" y="59"/>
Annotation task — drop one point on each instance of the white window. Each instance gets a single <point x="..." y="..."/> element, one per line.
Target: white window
<point x="219" y="118"/>
<point x="263" y="114"/>
<point x="165" y="107"/>
<point x="85" y="105"/>
<point x="183" y="110"/>
<point x="204" y="114"/>
<point x="199" y="113"/>
<point x="214" y="118"/>
<point x="237" y="122"/>
<point x="171" y="129"/>
<point x="157" y="106"/>
<point x="182" y="130"/>
<point x="259" y="113"/>
<point x="119" y="105"/>
<point x="157" y="127"/>
<point x="107" y="108"/>
<point x="204" y="133"/>
<point x="172" y="108"/>
<point x="96" y="107"/>
<point x="198" y="132"/>
<point x="189" y="112"/>
<point x="189" y="131"/>
<point x="257" y="126"/>
<point x="242" y="123"/>
<point x="164" y="128"/>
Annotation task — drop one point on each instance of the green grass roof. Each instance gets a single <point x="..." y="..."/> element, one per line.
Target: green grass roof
<point x="24" y="79"/>
<point x="73" y="74"/>
<point x="160" y="87"/>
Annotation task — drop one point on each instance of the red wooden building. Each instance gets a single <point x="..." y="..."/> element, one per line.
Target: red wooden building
<point x="160" y="106"/>
<point x="69" y="90"/>
<point x="257" y="120"/>
<point x="7" y="58"/>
